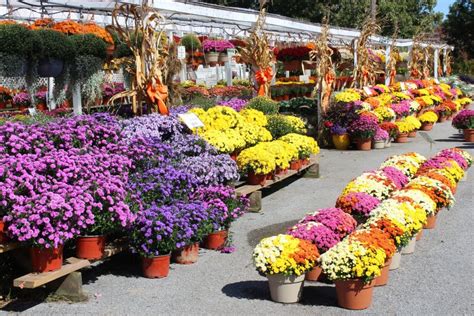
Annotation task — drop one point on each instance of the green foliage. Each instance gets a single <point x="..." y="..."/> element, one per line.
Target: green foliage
<point x="52" y="44"/>
<point x="202" y="102"/>
<point x="459" y="30"/>
<point x="15" y="40"/>
<point x="264" y="104"/>
<point x="191" y="42"/>
<point x="89" y="44"/>
<point x="279" y="126"/>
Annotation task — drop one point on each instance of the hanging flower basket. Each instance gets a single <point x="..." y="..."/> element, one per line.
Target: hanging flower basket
<point x="50" y="67"/>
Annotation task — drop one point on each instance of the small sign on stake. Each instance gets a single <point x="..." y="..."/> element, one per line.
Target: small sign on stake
<point x="368" y="91"/>
<point x="32" y="111"/>
<point x="181" y="52"/>
<point x="191" y="120"/>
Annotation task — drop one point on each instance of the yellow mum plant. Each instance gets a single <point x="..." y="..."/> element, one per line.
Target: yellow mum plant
<point x="254" y="117"/>
<point x="257" y="160"/>
<point x="386" y="113"/>
<point x="282" y="152"/>
<point x="298" y="124"/>
<point x="306" y="145"/>
<point x="253" y="134"/>
<point x="428" y="117"/>
<point x="222" y="118"/>
<point x="347" y="96"/>
<point x="413" y="122"/>
<point x="404" y="127"/>
<point x="220" y="140"/>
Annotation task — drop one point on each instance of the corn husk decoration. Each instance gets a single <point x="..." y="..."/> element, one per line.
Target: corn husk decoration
<point x="365" y="70"/>
<point x="142" y="30"/>
<point x="427" y="57"/>
<point x="416" y="58"/>
<point x="447" y="62"/>
<point x="394" y="57"/>
<point x="258" y="53"/>
<point x="326" y="75"/>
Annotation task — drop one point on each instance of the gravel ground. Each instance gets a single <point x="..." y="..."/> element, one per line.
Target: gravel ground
<point x="436" y="279"/>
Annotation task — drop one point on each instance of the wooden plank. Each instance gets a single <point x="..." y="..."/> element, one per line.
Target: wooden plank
<point x="8" y="247"/>
<point x="247" y="189"/>
<point x="34" y="280"/>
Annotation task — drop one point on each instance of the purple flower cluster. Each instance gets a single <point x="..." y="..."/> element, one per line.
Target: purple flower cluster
<point x="381" y="135"/>
<point x="333" y="218"/>
<point x="357" y="203"/>
<point x="397" y="177"/>
<point x="160" y="127"/>
<point x="211" y="169"/>
<point x="216" y="45"/>
<point x="364" y="127"/>
<point x="338" y="130"/>
<point x="223" y="204"/>
<point x="235" y="103"/>
<point x="451" y="154"/>
<point x="22" y="98"/>
<point x="111" y="89"/>
<point x="40" y="96"/>
<point x="402" y="109"/>
<point x="464" y="120"/>
<point x="323" y="237"/>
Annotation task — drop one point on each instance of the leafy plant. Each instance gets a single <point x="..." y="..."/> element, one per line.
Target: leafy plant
<point x="264" y="104"/>
<point x="191" y="42"/>
<point x="279" y="126"/>
<point x="52" y="44"/>
<point x="89" y="44"/>
<point x="15" y="40"/>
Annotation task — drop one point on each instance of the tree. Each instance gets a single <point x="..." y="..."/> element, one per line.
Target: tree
<point x="459" y="28"/>
<point x="410" y="15"/>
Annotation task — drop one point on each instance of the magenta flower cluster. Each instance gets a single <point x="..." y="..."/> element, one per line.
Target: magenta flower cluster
<point x="402" y="109"/>
<point x="451" y="154"/>
<point x="381" y="135"/>
<point x="358" y="203"/>
<point x="464" y="120"/>
<point x="396" y="176"/>
<point x="317" y="233"/>
<point x="216" y="45"/>
<point x="364" y="127"/>
<point x="333" y="218"/>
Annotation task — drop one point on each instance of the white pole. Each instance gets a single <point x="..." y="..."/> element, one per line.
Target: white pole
<point x="387" y="65"/>
<point x="51" y="103"/>
<point x="435" y="65"/>
<point x="444" y="62"/>
<point x="76" y="99"/>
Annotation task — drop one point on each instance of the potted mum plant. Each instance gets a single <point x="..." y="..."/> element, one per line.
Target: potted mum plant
<point x="353" y="267"/>
<point x="258" y="163"/>
<point x="380" y="139"/>
<point x="223" y="207"/>
<point x="362" y="130"/>
<point x="40" y="100"/>
<point x="392" y="130"/>
<point x="340" y="137"/>
<point x="403" y="129"/>
<point x="53" y="51"/>
<point x="216" y="50"/>
<point x="414" y="125"/>
<point x="428" y="119"/>
<point x="465" y="120"/>
<point x="284" y="260"/>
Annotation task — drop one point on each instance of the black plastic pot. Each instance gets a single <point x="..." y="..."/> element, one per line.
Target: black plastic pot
<point x="50" y="67"/>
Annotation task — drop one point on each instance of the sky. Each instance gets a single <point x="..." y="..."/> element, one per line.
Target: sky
<point x="443" y="6"/>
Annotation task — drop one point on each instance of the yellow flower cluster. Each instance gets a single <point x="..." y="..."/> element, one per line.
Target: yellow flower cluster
<point x="413" y="122"/>
<point x="418" y="197"/>
<point x="427" y="99"/>
<point x="428" y="117"/>
<point x="224" y="141"/>
<point x="297" y="123"/>
<point x="349" y="259"/>
<point x="385" y="99"/>
<point x="279" y="255"/>
<point x="408" y="164"/>
<point x="386" y="113"/>
<point x="254" y="117"/>
<point x="370" y="186"/>
<point x="422" y="92"/>
<point x="306" y="145"/>
<point x="464" y="100"/>
<point x="404" y="127"/>
<point x="281" y="154"/>
<point x="347" y="96"/>
<point x="257" y="160"/>
<point x="401" y="96"/>
<point x="253" y="134"/>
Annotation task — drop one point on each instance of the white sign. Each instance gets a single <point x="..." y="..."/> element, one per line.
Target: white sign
<point x="181" y="52"/>
<point x="402" y="86"/>
<point x="191" y="120"/>
<point x="231" y="52"/>
<point x="32" y="111"/>
<point x="304" y="78"/>
<point x="368" y="91"/>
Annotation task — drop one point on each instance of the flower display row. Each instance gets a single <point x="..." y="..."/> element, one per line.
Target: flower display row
<point x="392" y="205"/>
<point x="148" y="178"/>
<point x="360" y="114"/>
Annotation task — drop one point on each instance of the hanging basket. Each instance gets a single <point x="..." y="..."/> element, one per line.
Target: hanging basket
<point x="50" y="67"/>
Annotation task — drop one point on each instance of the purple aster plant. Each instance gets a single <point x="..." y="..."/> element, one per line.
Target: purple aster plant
<point x="210" y="169"/>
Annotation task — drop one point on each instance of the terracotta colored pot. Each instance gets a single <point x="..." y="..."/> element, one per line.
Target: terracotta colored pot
<point x="314" y="274"/>
<point x="270" y="176"/>
<point x="45" y="260"/>
<point x="426" y="126"/>
<point x="402" y="138"/>
<point x="431" y="222"/>
<point x="3" y="232"/>
<point x="469" y="135"/>
<point x="419" y="235"/>
<point x="396" y="259"/>
<point x="341" y="142"/>
<point x="234" y="155"/>
<point x="354" y="294"/>
<point x="90" y="247"/>
<point x="383" y="278"/>
<point x="216" y="240"/>
<point x="412" y="134"/>
<point x="442" y="119"/>
<point x="364" y="143"/>
<point x="256" y="179"/>
<point x="41" y="107"/>
<point x="304" y="162"/>
<point x="156" y="267"/>
<point x="285" y="289"/>
<point x="295" y="165"/>
<point x="186" y="255"/>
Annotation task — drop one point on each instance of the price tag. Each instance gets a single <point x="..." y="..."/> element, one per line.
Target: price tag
<point x="402" y="86"/>
<point x="32" y="111"/>
<point x="181" y="52"/>
<point x="191" y="120"/>
<point x="368" y="91"/>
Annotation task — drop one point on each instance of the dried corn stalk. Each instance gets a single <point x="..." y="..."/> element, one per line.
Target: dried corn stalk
<point x="322" y="55"/>
<point x="393" y="58"/>
<point x="416" y="58"/>
<point x="143" y="32"/>
<point x="258" y="54"/>
<point x="365" y="70"/>
<point x="427" y="57"/>
<point x="447" y="62"/>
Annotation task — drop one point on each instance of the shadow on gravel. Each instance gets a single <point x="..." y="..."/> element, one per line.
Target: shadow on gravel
<point x="123" y="264"/>
<point x="250" y="290"/>
<point x="323" y="295"/>
<point x="449" y="140"/>
<point x="467" y="146"/>
<point x="254" y="236"/>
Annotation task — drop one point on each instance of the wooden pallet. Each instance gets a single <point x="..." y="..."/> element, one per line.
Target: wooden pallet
<point x="8" y="247"/>
<point x="34" y="280"/>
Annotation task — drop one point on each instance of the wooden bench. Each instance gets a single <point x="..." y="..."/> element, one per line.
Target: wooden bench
<point x="254" y="193"/>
